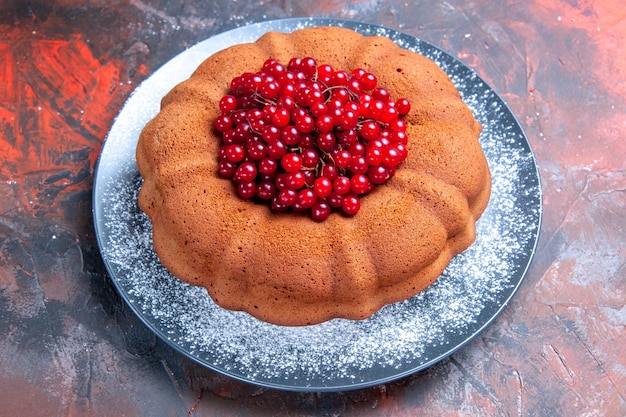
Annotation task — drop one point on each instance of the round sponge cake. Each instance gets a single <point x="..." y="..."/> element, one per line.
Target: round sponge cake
<point x="285" y="268"/>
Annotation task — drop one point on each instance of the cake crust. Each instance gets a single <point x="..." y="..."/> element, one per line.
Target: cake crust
<point x="284" y="268"/>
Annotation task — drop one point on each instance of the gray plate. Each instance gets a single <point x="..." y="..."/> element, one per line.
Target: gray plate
<point x="338" y="355"/>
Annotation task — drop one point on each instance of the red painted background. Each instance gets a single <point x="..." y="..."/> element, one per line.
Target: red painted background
<point x="70" y="347"/>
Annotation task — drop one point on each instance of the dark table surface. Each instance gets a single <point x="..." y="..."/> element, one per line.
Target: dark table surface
<point x="69" y="345"/>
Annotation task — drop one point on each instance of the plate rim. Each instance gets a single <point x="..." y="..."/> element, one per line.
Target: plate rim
<point x="296" y="22"/>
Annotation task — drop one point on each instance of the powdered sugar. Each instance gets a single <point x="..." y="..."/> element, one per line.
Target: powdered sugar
<point x="339" y="354"/>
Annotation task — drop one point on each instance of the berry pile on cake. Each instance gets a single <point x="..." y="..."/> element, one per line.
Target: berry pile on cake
<point x="314" y="175"/>
<point x="307" y="137"/>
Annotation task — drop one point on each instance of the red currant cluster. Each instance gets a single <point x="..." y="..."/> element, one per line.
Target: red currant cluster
<point x="309" y="137"/>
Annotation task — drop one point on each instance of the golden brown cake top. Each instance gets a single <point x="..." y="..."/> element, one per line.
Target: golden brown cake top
<point x="285" y="268"/>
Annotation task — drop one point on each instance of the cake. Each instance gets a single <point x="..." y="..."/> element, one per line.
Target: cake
<point x="284" y="267"/>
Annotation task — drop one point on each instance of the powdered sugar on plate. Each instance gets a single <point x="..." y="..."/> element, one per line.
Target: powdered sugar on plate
<point x="340" y="354"/>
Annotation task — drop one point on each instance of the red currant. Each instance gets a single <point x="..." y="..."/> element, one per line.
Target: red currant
<point x="318" y="109"/>
<point x="228" y="103"/>
<point x="399" y="137"/>
<point x="309" y="177"/>
<point x="322" y="187"/>
<point x="324" y="123"/>
<point x="223" y="123"/>
<point x="235" y="153"/>
<point x="354" y="85"/>
<point x="341" y="185"/>
<point x="368" y="81"/>
<point x="281" y="117"/>
<point x="306" y="198"/>
<point x="348" y="137"/>
<point x="348" y="120"/>
<point x="291" y="162"/>
<point x="342" y="158"/>
<point x="320" y="210"/>
<point x="266" y="190"/>
<point x="403" y="105"/>
<point x="290" y="135"/>
<point x="329" y="171"/>
<point x="247" y="189"/>
<point x="370" y="130"/>
<point x="378" y="174"/>
<point x="276" y="149"/>
<point x="335" y="199"/>
<point x="390" y="115"/>
<point x="269" y="89"/>
<point x="295" y="180"/>
<point x="392" y="157"/>
<point x="245" y="172"/>
<point x="358" y="164"/>
<point x="287" y="103"/>
<point x="374" y="156"/>
<point x="380" y="94"/>
<point x="359" y="184"/>
<point x="271" y="133"/>
<point x="256" y="150"/>
<point x="358" y="73"/>
<point x="351" y="204"/>
<point x="226" y="169"/>
<point x="326" y="141"/>
<point x="268" y="166"/>
<point x="339" y="78"/>
<point x="310" y="157"/>
<point x="287" y="196"/>
<point x="305" y="123"/>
